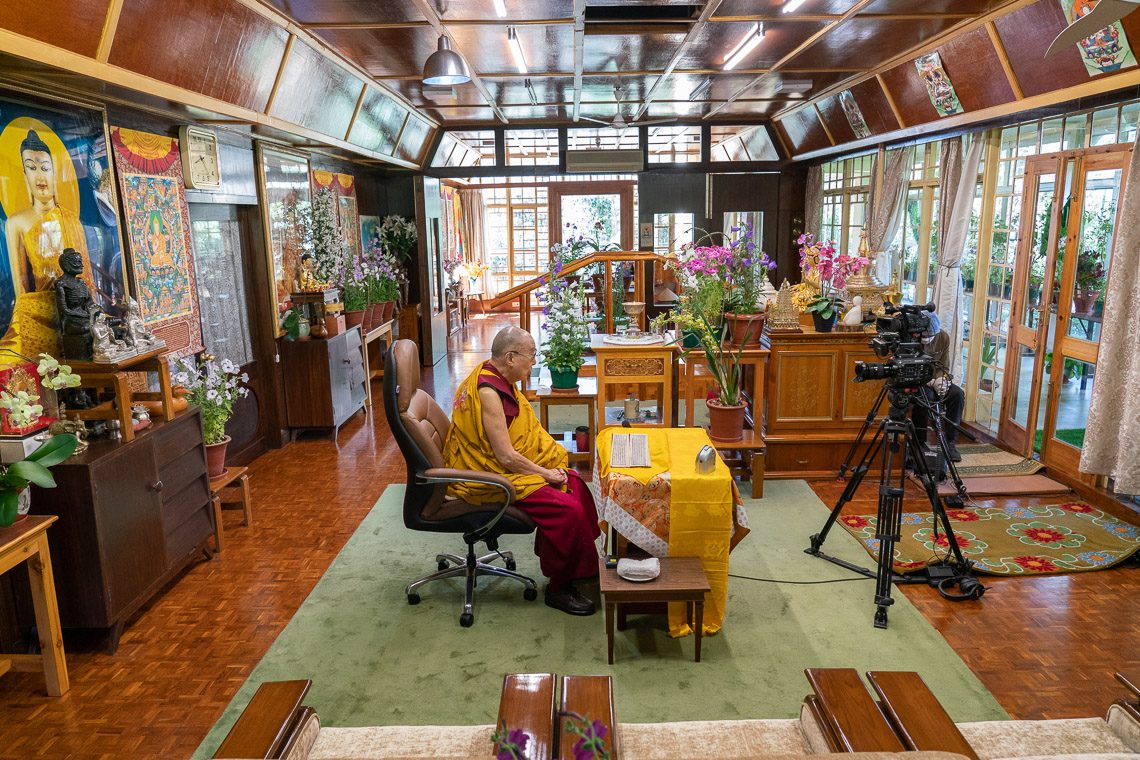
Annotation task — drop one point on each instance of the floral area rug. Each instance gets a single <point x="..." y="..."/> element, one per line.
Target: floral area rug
<point x="985" y="460"/>
<point x="1060" y="538"/>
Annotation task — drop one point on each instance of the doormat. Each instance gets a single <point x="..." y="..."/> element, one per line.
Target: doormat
<point x="1060" y="538"/>
<point x="1006" y="485"/>
<point x="987" y="460"/>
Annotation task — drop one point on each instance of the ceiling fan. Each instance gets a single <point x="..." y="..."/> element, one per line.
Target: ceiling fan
<point x="619" y="122"/>
<point x="1103" y="14"/>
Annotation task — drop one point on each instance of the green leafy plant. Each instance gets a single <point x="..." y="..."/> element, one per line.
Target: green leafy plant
<point x="291" y="323"/>
<point x="398" y="236"/>
<point x="562" y="304"/>
<point x="213" y="387"/>
<point x="1070" y="369"/>
<point x="723" y="364"/>
<point x="34" y="468"/>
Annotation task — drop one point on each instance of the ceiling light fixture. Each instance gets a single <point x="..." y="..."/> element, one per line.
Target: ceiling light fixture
<point x="744" y="47"/>
<point x="530" y="91"/>
<point x="516" y="50"/>
<point x="789" y="7"/>
<point x="701" y="89"/>
<point x="501" y="8"/>
<point x="445" y="66"/>
<point x="793" y="87"/>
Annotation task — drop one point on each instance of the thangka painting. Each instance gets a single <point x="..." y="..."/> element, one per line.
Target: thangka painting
<point x="854" y="115"/>
<point x="369" y="230"/>
<point x="287" y="199"/>
<point x="157" y="222"/>
<point x="938" y="85"/>
<point x="348" y="218"/>
<point x="56" y="192"/>
<point x="1105" y="51"/>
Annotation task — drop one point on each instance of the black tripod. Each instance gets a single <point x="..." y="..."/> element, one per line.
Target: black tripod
<point x="895" y="441"/>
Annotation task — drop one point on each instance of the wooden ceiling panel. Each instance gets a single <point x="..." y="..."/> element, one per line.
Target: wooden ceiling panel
<point x="964" y="7"/>
<point x="833" y="116"/>
<point x="316" y="92"/>
<point x="619" y="52"/>
<point x="771" y="7"/>
<point x="347" y="11"/>
<point x="412" y="89"/>
<point x="81" y="28"/>
<point x="546" y="90"/>
<point x="804" y="131"/>
<point x="484" y="10"/>
<point x="875" y="107"/>
<point x="601" y="88"/>
<point x="1026" y="52"/>
<point x="547" y="48"/>
<point x="219" y="48"/>
<point x="379" y="122"/>
<point x="965" y="57"/>
<point x="866" y="43"/>
<point x="715" y="41"/>
<point x="384" y="52"/>
<point x="553" y="114"/>
<point x="681" y="109"/>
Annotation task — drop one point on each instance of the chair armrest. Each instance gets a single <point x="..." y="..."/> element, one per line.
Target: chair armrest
<point x="267" y="724"/>
<point x="449" y="475"/>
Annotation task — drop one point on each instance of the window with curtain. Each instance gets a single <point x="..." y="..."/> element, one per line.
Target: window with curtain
<point x="846" y="184"/>
<point x="516" y="234"/>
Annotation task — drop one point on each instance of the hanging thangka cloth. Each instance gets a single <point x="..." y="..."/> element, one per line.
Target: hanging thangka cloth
<point x="854" y="115"/>
<point x="1105" y="51"/>
<point x="938" y="85"/>
<point x="343" y="187"/>
<point x="158" y="235"/>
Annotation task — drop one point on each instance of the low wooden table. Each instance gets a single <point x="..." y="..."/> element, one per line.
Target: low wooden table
<point x="580" y="397"/>
<point x="27" y="541"/>
<point x="374" y="364"/>
<point x="222" y="491"/>
<point x="682" y="579"/>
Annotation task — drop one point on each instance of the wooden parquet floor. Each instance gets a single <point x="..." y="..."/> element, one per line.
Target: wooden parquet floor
<point x="1045" y="646"/>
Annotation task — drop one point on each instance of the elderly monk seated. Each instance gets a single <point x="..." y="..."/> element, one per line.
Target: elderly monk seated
<point x="494" y="429"/>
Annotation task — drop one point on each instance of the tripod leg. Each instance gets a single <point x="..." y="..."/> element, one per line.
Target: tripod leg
<point x="889" y="521"/>
<point x="871" y="415"/>
<point x="849" y="490"/>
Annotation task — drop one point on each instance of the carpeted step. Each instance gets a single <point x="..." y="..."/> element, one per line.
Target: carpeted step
<point x="1007" y="485"/>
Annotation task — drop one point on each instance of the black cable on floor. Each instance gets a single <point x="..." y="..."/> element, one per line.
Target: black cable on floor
<point x="799" y="583"/>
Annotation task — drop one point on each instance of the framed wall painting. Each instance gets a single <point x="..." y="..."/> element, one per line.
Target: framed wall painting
<point x="286" y="197"/>
<point x="157" y="225"/>
<point x="343" y="187"/>
<point x="56" y="191"/>
<point x="369" y="230"/>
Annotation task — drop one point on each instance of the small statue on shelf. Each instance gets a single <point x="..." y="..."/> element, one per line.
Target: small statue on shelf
<point x="309" y="282"/>
<point x="105" y="347"/>
<point x="136" y="335"/>
<point x="854" y="315"/>
<point x="74" y="305"/>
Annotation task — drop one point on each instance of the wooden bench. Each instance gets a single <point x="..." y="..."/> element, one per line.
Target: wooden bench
<point x="527" y="704"/>
<point x="916" y="714"/>
<point x="591" y="698"/>
<point x="851" y="720"/>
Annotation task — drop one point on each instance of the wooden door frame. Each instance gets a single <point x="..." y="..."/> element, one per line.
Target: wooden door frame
<point x="620" y="187"/>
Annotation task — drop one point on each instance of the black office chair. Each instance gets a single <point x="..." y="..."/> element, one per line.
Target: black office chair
<point x="420" y="428"/>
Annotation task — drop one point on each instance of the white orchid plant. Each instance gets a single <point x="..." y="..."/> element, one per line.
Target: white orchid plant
<point x="213" y="387"/>
<point x="23" y="407"/>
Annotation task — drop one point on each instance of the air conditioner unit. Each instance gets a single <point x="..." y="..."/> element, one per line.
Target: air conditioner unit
<point x="604" y="161"/>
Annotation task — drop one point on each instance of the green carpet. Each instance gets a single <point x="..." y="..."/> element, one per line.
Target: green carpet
<point x="1072" y="436"/>
<point x="376" y="660"/>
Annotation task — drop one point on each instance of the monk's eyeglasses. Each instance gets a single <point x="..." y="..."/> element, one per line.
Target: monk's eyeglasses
<point x="533" y="356"/>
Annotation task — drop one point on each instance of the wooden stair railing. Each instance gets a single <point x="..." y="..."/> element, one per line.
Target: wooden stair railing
<point x="524" y="291"/>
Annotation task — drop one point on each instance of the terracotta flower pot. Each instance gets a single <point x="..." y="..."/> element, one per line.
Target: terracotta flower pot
<point x="216" y="457"/>
<point x="745" y="329"/>
<point x="726" y="423"/>
<point x="355" y="318"/>
<point x="389" y="308"/>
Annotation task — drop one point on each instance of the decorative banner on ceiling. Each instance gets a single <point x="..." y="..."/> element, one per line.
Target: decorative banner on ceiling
<point x="854" y="115"/>
<point x="56" y="192"/>
<point x="938" y="85"/>
<point x="158" y="236"/>
<point x="348" y="217"/>
<point x="1105" y="51"/>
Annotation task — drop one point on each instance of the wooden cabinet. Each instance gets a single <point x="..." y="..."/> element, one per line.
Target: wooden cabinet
<point x="813" y="409"/>
<point x="325" y="381"/>
<point x="131" y="516"/>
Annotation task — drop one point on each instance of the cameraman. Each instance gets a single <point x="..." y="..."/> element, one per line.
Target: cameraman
<point x="936" y="343"/>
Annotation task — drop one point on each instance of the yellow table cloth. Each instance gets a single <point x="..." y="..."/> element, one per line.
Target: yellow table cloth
<point x="669" y="509"/>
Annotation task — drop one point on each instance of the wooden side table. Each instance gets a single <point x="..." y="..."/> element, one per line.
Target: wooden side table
<point x="223" y="491"/>
<point x="376" y="342"/>
<point x="581" y="397"/>
<point x="682" y="579"/>
<point x="621" y="365"/>
<point x="26" y="541"/>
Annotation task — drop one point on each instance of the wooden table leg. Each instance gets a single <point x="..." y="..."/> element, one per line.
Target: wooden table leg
<point x="217" y="504"/>
<point x="47" y="619"/>
<point x="610" y="631"/>
<point x="123" y="401"/>
<point x="758" y="475"/>
<point x="699" y="628"/>
<point x="165" y="389"/>
<point x="245" y="505"/>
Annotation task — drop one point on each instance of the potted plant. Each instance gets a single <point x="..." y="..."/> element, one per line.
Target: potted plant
<point x="331" y="252"/>
<point x="354" y="294"/>
<point x="832" y="268"/>
<point x="1091" y="276"/>
<point x="562" y="306"/>
<point x="32" y="469"/>
<point x="702" y="299"/>
<point x="213" y="387"/>
<point x="726" y="407"/>
<point x="989" y="354"/>
<point x="295" y="324"/>
<point x="746" y="272"/>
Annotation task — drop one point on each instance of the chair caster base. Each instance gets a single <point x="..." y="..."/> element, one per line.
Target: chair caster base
<point x="413" y="598"/>
<point x="530" y="594"/>
<point x="466" y="620"/>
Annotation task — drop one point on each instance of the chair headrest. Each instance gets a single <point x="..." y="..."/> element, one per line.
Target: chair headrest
<point x="407" y="372"/>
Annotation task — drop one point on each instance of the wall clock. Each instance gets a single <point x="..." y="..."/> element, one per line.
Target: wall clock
<point x="201" y="168"/>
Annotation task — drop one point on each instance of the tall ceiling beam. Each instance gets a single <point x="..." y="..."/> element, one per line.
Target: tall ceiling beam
<point x="694" y="32"/>
<point x="437" y="24"/>
<point x="579" y="53"/>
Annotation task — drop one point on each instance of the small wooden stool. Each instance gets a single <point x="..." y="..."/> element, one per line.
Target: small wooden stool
<point x="682" y="579"/>
<point x="222" y="491"/>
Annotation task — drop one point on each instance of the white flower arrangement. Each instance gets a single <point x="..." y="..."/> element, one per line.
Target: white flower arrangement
<point x="24" y="409"/>
<point x="214" y="387"/>
<point x="564" y="323"/>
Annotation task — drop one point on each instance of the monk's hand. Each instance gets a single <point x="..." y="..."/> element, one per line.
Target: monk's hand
<point x="556" y="477"/>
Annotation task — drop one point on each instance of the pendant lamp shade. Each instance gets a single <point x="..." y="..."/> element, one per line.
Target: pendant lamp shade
<point x="445" y="67"/>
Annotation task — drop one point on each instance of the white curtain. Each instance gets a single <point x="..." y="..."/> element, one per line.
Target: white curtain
<point x="959" y="177"/>
<point x="888" y="208"/>
<point x="813" y="202"/>
<point x="1112" y="435"/>
<point x="471" y="227"/>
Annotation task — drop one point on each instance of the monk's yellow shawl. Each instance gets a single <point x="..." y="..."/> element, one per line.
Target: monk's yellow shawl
<point x="467" y="446"/>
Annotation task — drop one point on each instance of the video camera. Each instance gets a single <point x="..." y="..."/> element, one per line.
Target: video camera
<point x="899" y="336"/>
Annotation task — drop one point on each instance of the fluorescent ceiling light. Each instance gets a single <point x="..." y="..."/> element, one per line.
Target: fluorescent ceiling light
<point x="789" y="7"/>
<point x="501" y="7"/>
<point x="530" y="91"/>
<point x="516" y="50"/>
<point x="744" y="47"/>
<point x="793" y="86"/>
